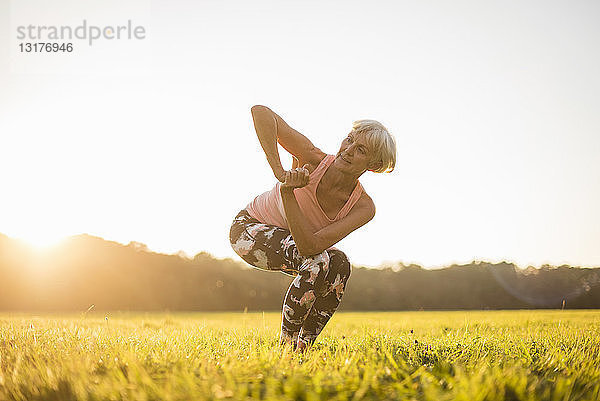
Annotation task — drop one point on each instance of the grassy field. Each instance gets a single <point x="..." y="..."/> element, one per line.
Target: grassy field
<point x="492" y="355"/>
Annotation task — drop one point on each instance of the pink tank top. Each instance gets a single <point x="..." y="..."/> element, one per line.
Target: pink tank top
<point x="268" y="207"/>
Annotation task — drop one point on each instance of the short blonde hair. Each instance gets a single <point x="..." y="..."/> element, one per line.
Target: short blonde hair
<point x="381" y="142"/>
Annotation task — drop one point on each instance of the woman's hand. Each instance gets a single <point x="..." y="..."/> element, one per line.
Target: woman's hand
<point x="296" y="177"/>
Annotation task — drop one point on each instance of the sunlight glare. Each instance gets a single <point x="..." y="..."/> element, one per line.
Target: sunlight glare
<point x="42" y="241"/>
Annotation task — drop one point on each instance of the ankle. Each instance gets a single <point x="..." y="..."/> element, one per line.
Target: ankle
<point x="302" y="346"/>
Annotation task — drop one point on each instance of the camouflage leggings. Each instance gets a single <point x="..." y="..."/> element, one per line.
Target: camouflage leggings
<point x="319" y="281"/>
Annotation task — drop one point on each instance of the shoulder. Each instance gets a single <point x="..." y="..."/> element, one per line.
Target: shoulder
<point x="365" y="205"/>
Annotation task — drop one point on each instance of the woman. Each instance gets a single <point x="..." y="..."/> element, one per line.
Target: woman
<point x="292" y="228"/>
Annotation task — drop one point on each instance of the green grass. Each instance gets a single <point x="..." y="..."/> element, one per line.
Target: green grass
<point x="495" y="355"/>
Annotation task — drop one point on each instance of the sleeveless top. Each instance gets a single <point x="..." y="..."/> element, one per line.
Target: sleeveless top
<point x="268" y="206"/>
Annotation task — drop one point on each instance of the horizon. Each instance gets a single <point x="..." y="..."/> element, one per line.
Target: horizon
<point x="394" y="265"/>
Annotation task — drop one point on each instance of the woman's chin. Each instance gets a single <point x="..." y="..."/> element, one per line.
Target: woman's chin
<point x="340" y="164"/>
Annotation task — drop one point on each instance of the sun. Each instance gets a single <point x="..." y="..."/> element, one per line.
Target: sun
<point x="42" y="241"/>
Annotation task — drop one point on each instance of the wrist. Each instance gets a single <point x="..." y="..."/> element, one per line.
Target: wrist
<point x="285" y="189"/>
<point x="280" y="175"/>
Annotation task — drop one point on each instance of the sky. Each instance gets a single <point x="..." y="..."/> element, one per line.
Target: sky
<point x="494" y="106"/>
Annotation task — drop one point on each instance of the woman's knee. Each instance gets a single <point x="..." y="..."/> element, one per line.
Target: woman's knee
<point x="235" y="231"/>
<point x="339" y="264"/>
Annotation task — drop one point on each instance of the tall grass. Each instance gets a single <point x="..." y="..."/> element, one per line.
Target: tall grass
<point x="496" y="355"/>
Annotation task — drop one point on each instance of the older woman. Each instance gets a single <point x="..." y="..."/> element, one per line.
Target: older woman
<point x="292" y="228"/>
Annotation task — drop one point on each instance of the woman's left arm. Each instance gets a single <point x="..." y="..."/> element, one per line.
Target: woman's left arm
<point x="309" y="243"/>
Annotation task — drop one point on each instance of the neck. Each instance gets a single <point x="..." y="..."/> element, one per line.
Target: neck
<point x="337" y="179"/>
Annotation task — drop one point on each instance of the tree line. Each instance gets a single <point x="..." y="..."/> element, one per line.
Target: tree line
<point x="85" y="270"/>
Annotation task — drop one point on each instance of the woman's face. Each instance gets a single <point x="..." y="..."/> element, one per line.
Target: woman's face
<point x="354" y="156"/>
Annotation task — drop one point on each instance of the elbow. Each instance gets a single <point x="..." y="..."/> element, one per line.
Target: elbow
<point x="306" y="250"/>
<point x="257" y="108"/>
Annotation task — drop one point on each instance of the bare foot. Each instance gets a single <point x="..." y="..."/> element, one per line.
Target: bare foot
<point x="301" y="347"/>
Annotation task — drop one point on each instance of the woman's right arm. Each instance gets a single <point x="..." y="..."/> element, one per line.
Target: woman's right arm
<point x="270" y="129"/>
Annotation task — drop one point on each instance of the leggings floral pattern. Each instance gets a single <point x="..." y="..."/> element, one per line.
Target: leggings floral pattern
<point x="319" y="283"/>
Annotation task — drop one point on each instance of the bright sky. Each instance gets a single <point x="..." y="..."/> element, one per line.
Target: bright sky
<point x="494" y="105"/>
